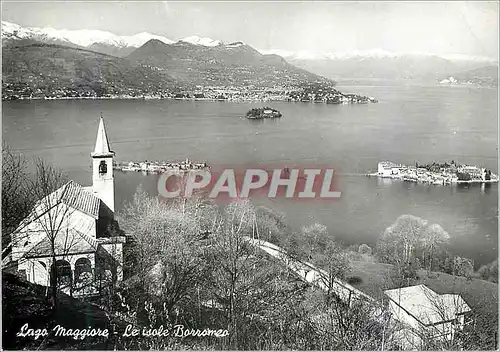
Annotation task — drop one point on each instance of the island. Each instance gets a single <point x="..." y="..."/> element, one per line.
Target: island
<point x="263" y="113"/>
<point x="156" y="167"/>
<point x="436" y="173"/>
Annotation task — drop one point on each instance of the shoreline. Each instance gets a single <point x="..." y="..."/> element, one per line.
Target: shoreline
<point x="192" y="99"/>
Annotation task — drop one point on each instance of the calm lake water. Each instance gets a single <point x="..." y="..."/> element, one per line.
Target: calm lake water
<point x="410" y="123"/>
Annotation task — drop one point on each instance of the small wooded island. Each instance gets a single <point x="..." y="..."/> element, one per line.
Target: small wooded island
<point x="263" y="113"/>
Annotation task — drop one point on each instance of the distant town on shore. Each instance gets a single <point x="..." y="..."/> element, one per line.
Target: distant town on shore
<point x="436" y="173"/>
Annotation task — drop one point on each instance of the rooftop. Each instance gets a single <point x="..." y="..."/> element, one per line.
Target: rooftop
<point x="102" y="143"/>
<point x="427" y="306"/>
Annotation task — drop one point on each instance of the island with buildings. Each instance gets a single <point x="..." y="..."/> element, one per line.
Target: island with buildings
<point x="156" y="167"/>
<point x="436" y="173"/>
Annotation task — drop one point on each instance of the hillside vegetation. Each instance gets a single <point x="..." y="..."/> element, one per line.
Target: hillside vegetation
<point x="237" y="64"/>
<point x="43" y="69"/>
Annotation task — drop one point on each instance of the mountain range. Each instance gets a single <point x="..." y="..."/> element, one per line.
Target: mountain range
<point x="407" y="67"/>
<point x="381" y="64"/>
<point x="44" y="59"/>
<point x="74" y="62"/>
<point x="97" y="40"/>
<point x="81" y="38"/>
<point x="234" y="64"/>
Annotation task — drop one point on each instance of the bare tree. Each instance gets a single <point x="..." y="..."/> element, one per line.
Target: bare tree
<point x="433" y="238"/>
<point x="16" y="204"/>
<point x="398" y="243"/>
<point x="334" y="261"/>
<point x="233" y="262"/>
<point x="315" y="237"/>
<point x="165" y="262"/>
<point x="350" y="323"/>
<point x="49" y="223"/>
<point x="271" y="225"/>
<point x="259" y="296"/>
<point x="193" y="264"/>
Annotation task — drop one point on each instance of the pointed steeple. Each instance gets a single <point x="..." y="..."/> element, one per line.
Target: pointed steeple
<point x="103" y="184"/>
<point x="101" y="143"/>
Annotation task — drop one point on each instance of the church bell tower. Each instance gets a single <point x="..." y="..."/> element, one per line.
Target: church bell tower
<point x="103" y="182"/>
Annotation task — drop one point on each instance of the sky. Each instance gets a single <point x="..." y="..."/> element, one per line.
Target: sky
<point x="464" y="28"/>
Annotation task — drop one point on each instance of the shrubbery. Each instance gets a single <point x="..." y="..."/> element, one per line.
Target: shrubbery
<point x="365" y="249"/>
<point x="489" y="272"/>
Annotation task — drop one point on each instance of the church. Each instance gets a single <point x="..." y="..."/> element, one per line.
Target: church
<point x="74" y="226"/>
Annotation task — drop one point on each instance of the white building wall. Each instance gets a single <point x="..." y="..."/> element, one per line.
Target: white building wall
<point x="103" y="185"/>
<point x="441" y="331"/>
<point x="38" y="269"/>
<point x="402" y="316"/>
<point x="62" y="216"/>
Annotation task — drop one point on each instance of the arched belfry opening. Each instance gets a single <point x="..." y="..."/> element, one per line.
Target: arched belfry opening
<point x="103" y="167"/>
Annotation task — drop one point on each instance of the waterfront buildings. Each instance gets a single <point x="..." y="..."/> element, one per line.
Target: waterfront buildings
<point x="435" y="173"/>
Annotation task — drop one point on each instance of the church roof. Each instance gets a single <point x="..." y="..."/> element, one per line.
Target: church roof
<point x="79" y="237"/>
<point x="102" y="144"/>
<point x="71" y="194"/>
<point x="76" y="197"/>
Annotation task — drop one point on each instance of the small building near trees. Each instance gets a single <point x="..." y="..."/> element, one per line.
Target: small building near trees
<point x="423" y="313"/>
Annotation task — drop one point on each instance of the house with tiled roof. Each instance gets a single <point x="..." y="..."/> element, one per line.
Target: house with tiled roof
<point x="424" y="313"/>
<point x="74" y="227"/>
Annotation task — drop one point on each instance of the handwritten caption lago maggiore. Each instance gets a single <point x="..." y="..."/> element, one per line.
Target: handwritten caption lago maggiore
<point x="130" y="331"/>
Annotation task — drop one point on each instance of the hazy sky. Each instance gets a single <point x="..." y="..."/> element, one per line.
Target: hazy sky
<point x="469" y="28"/>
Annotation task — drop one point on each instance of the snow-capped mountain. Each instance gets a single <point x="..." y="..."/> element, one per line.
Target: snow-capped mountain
<point x="201" y="41"/>
<point x="373" y="64"/>
<point x="81" y="37"/>
<point x="94" y="39"/>
<point x="99" y="41"/>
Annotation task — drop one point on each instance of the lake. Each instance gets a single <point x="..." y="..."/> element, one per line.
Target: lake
<point x="410" y="123"/>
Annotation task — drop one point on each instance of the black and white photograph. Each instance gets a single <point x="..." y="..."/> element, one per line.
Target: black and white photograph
<point x="250" y="175"/>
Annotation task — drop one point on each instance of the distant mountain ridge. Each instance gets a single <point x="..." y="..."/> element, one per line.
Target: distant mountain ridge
<point x="373" y="53"/>
<point x="235" y="64"/>
<point x="381" y="64"/>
